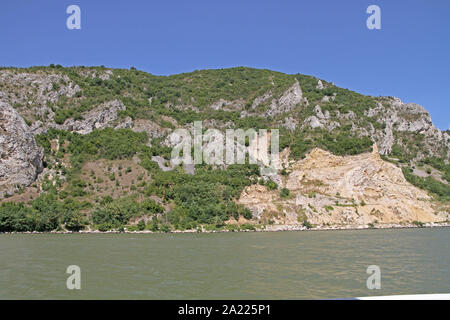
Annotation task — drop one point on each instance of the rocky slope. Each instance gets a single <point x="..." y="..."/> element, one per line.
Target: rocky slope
<point x="332" y="190"/>
<point x="326" y="133"/>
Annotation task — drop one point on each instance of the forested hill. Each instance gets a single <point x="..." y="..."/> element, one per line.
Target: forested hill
<point x="87" y="147"/>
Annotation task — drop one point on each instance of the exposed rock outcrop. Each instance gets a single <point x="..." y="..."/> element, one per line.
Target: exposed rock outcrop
<point x="261" y="99"/>
<point x="313" y="122"/>
<point x="319" y="85"/>
<point x="20" y="157"/>
<point x="152" y="129"/>
<point x="226" y="105"/>
<point x="290" y="123"/>
<point x="102" y="116"/>
<point x="404" y="117"/>
<point x="334" y="190"/>
<point x="287" y="101"/>
<point x="98" y="118"/>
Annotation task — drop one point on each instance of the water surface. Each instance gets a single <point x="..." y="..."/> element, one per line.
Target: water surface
<point x="273" y="265"/>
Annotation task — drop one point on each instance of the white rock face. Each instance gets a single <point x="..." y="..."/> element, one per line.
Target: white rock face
<point x="100" y="117"/>
<point x="126" y="123"/>
<point x="20" y="157"/>
<point x="287" y="101"/>
<point x="290" y="123"/>
<point x="226" y="105"/>
<point x="313" y="122"/>
<point x="403" y="117"/>
<point x="48" y="87"/>
<point x="261" y="99"/>
<point x="152" y="129"/>
<point x="220" y="104"/>
<point x="318" y="112"/>
<point x="319" y="85"/>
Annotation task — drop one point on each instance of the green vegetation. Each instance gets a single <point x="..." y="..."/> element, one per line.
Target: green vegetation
<point x="341" y="142"/>
<point x="307" y="224"/>
<point x="106" y="144"/>
<point x="205" y="197"/>
<point x="115" y="214"/>
<point x="46" y="213"/>
<point x="439" y="164"/>
<point x="284" y="193"/>
<point x="439" y="189"/>
<point x="271" y="185"/>
<point x="418" y="224"/>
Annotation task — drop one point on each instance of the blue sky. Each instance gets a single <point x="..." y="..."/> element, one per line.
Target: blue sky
<point x="408" y="58"/>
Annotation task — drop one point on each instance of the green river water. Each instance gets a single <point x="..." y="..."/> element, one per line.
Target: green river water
<point x="256" y="265"/>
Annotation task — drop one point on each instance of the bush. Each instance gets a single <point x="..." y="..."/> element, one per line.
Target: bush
<point x="46" y="213"/>
<point x="141" y="225"/>
<point x="284" y="193"/>
<point x="247" y="214"/>
<point x="115" y="214"/>
<point x="75" y="221"/>
<point x="271" y="185"/>
<point x="307" y="224"/>
<point x="15" y="217"/>
<point x="418" y="224"/>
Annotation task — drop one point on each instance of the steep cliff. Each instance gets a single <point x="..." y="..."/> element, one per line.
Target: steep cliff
<point x="20" y="157"/>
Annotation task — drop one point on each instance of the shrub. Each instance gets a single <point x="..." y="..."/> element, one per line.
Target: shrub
<point x="15" y="217"/>
<point x="247" y="214"/>
<point x="284" y="193"/>
<point x="141" y="225"/>
<point x="307" y="224"/>
<point x="271" y="185"/>
<point x="418" y="224"/>
<point x="75" y="221"/>
<point x="114" y="214"/>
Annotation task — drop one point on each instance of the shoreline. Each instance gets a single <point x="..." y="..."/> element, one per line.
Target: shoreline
<point x="273" y="228"/>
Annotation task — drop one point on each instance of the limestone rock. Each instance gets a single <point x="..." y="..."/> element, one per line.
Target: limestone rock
<point x="319" y="85"/>
<point x="404" y="117"/>
<point x="226" y="105"/>
<point x="152" y="129"/>
<point x="313" y="122"/>
<point x="98" y="118"/>
<point x="287" y="101"/>
<point x="20" y="157"/>
<point x="261" y="99"/>
<point x="290" y="123"/>
<point x="333" y="190"/>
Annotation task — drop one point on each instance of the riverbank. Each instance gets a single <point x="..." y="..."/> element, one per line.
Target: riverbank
<point x="266" y="228"/>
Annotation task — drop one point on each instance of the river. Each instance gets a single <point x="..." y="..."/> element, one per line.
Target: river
<point x="253" y="265"/>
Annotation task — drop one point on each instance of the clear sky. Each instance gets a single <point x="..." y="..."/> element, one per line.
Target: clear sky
<point x="408" y="58"/>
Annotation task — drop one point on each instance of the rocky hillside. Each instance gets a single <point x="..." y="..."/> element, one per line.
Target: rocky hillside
<point x="328" y="190"/>
<point x="88" y="147"/>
